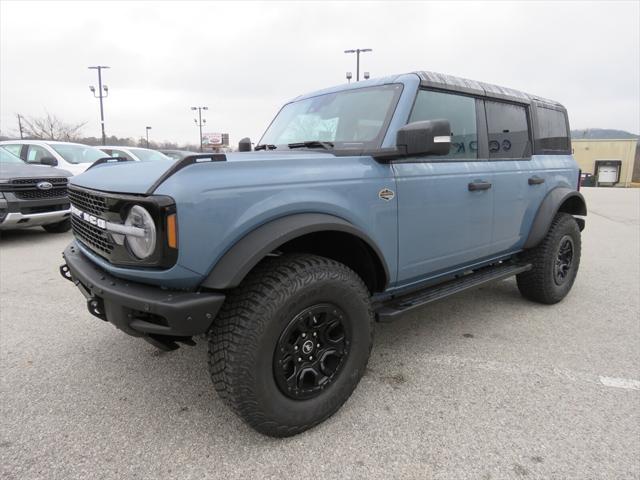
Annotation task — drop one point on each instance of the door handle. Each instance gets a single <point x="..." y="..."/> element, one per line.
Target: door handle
<point x="479" y="185"/>
<point x="535" y="180"/>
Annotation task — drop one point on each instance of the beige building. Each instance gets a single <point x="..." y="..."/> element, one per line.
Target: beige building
<point x="611" y="161"/>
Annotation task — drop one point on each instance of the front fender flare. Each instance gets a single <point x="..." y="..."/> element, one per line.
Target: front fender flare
<point x="245" y="254"/>
<point x="548" y="210"/>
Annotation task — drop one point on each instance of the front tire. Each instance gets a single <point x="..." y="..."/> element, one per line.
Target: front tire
<point x="555" y="262"/>
<point x="60" y="227"/>
<point x="291" y="343"/>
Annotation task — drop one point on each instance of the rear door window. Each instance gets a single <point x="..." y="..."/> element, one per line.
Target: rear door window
<point x="508" y="130"/>
<point x="461" y="113"/>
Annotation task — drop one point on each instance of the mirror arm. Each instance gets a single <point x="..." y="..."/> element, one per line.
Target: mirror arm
<point x="384" y="155"/>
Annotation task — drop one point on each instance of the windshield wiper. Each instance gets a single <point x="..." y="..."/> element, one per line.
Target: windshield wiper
<point x="265" y="146"/>
<point x="312" y="144"/>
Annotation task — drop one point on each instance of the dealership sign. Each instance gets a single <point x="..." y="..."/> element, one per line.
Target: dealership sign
<point x="211" y="139"/>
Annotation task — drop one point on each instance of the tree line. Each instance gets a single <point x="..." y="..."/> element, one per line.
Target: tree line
<point x="51" y="127"/>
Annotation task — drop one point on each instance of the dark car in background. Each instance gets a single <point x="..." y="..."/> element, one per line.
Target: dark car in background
<point x="32" y="195"/>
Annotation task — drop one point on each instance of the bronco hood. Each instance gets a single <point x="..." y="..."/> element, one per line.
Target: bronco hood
<point x="140" y="177"/>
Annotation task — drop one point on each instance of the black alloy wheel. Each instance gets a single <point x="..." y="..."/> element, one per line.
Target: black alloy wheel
<point x="564" y="260"/>
<point x="311" y="351"/>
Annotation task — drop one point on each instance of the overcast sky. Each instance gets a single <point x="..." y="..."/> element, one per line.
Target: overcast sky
<point x="244" y="60"/>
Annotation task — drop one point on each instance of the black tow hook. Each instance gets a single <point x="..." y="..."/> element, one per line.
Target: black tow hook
<point x="96" y="308"/>
<point x="168" y="343"/>
<point x="65" y="272"/>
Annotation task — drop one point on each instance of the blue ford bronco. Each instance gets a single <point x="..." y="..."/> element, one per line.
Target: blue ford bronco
<point x="360" y="203"/>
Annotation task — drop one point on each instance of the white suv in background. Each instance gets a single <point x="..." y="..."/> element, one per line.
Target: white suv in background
<point x="73" y="157"/>
<point x="135" y="153"/>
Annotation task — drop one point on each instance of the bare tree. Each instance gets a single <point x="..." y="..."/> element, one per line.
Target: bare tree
<point x="51" y="127"/>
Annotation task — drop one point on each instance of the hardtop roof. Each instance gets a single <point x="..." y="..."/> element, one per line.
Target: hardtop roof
<point x="474" y="87"/>
<point x="445" y="82"/>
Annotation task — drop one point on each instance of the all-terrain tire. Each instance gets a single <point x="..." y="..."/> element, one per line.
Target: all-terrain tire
<point x="551" y="276"/>
<point x="251" y="325"/>
<point x="60" y="227"/>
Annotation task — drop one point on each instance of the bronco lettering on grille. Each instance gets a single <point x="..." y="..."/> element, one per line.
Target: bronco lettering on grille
<point x="92" y="219"/>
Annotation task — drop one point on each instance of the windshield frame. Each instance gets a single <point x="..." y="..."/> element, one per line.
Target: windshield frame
<point x="75" y="145"/>
<point x="347" y="148"/>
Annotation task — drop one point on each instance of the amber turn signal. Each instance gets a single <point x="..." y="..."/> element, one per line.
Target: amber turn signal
<point x="172" y="231"/>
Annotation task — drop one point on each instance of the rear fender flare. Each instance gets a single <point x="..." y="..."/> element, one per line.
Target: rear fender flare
<point x="573" y="202"/>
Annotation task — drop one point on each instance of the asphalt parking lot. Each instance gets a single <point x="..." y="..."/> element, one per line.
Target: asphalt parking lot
<point x="484" y="385"/>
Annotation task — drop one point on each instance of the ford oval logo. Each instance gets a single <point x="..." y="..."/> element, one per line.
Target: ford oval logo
<point x="44" y="185"/>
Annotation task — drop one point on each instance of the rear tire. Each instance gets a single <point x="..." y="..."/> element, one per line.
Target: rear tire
<point x="60" y="227"/>
<point x="555" y="262"/>
<point x="261" y="359"/>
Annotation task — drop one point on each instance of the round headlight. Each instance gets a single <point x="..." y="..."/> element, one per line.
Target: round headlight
<point x="142" y="246"/>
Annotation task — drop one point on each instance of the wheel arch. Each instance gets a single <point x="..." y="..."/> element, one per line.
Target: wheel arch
<point x="307" y="232"/>
<point x="560" y="199"/>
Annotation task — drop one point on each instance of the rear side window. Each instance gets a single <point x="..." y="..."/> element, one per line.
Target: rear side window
<point x="461" y="113"/>
<point x="551" y="135"/>
<point x="508" y="130"/>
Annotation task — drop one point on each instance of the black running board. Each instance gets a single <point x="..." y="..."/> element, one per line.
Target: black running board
<point x="391" y="309"/>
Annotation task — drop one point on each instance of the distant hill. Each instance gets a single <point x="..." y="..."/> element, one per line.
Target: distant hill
<point x="602" y="134"/>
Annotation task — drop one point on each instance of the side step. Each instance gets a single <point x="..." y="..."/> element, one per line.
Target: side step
<point x="391" y="309"/>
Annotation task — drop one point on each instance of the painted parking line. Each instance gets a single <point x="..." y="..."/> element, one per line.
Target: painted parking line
<point x="627" y="383"/>
<point x="509" y="368"/>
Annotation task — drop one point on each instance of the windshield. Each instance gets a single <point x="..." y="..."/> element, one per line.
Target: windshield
<point x="350" y="118"/>
<point x="77" y="153"/>
<point x="8" y="157"/>
<point x="149" y="155"/>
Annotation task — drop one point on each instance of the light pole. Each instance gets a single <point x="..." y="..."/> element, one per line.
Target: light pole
<point x="148" y="128"/>
<point x="358" y="51"/>
<point x="349" y="77"/>
<point x="20" y="125"/>
<point x="200" y="121"/>
<point x="103" y="92"/>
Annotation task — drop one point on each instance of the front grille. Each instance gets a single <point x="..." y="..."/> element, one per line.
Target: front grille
<point x="91" y="235"/>
<point x="88" y="202"/>
<point x="55" y="181"/>
<point x="94" y="204"/>
<point x="27" y="189"/>
<point x="39" y="194"/>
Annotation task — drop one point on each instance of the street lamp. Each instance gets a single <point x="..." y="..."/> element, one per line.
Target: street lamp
<point x="103" y="92"/>
<point x="349" y="77"/>
<point x="148" y="128"/>
<point x="200" y="121"/>
<point x="358" y="51"/>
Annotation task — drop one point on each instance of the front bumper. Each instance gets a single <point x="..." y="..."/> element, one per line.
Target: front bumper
<point x="15" y="218"/>
<point x="18" y="220"/>
<point x="161" y="316"/>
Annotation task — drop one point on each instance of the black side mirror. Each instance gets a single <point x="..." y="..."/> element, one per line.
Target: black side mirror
<point x="244" y="145"/>
<point x="428" y="137"/>
<point x="52" y="162"/>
